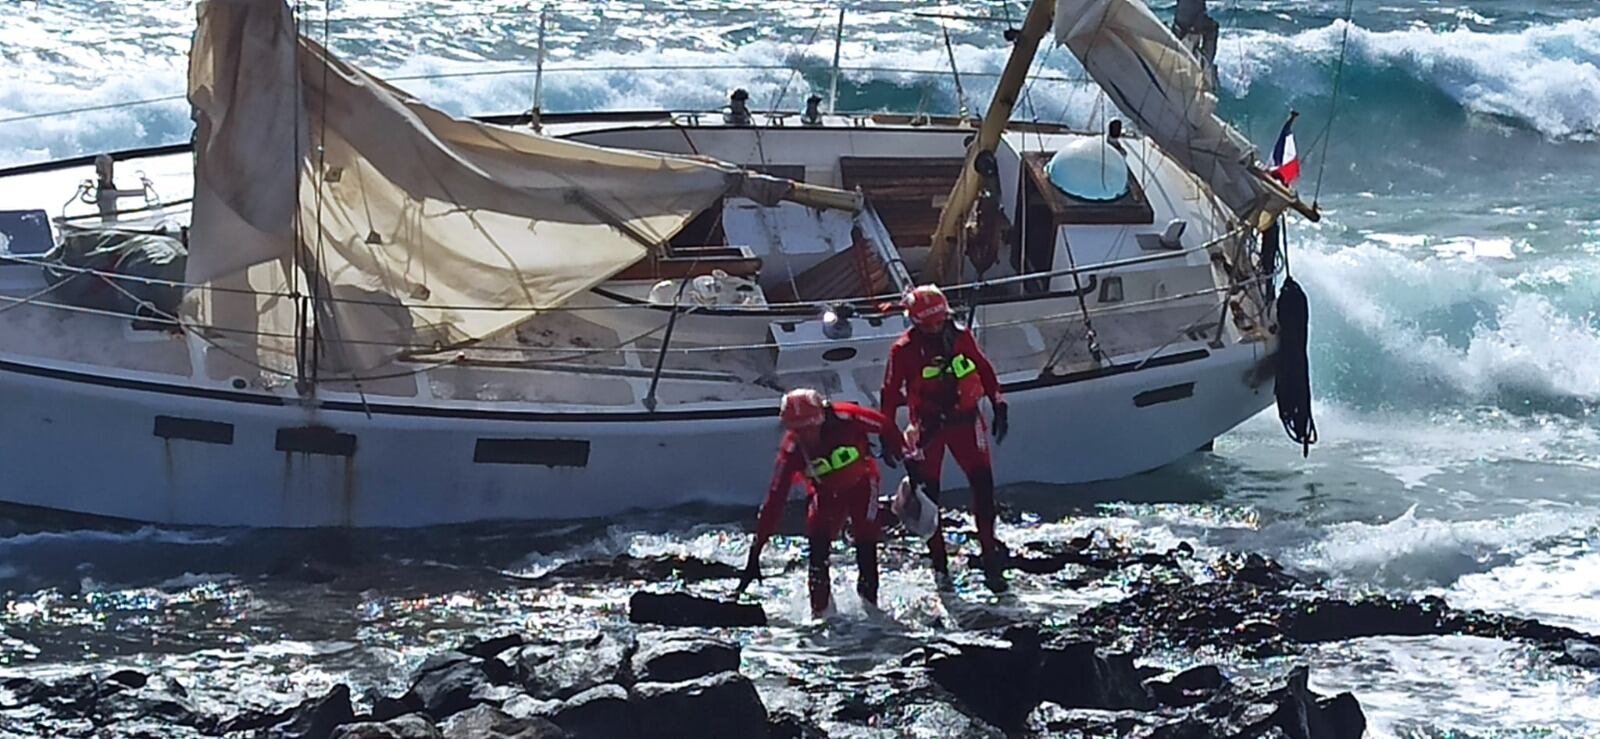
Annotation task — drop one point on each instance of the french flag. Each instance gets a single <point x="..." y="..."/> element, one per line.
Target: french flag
<point x="1285" y="157"/>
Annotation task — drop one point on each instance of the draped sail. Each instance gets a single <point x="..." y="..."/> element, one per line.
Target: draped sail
<point x="1160" y="85"/>
<point x="416" y="228"/>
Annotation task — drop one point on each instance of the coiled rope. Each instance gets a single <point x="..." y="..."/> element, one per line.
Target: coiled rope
<point x="1293" y="386"/>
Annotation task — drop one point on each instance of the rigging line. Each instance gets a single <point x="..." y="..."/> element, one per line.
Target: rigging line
<point x="795" y="71"/>
<point x="295" y="268"/>
<point x="322" y="188"/>
<point x="93" y="108"/>
<point x="962" y="110"/>
<point x="1333" y="103"/>
<point x="709" y="66"/>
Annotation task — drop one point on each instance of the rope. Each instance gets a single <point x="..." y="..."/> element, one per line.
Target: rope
<point x="92" y="108"/>
<point x="1293" y="386"/>
<point x="955" y="72"/>
<point x="783" y="94"/>
<point x="1333" y="104"/>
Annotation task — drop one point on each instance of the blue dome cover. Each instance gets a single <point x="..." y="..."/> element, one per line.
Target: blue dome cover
<point x="1089" y="169"/>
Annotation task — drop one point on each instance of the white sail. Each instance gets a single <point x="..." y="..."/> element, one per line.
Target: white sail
<point x="1160" y="85"/>
<point x="421" y="228"/>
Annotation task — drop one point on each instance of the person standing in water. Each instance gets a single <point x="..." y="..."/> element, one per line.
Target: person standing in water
<point x="939" y="374"/>
<point x="826" y="444"/>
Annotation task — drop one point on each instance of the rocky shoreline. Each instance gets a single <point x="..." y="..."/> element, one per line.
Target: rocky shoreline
<point x="675" y="671"/>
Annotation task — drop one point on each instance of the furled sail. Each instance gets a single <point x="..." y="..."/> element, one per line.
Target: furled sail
<point x="1160" y="85"/>
<point x="416" y="228"/>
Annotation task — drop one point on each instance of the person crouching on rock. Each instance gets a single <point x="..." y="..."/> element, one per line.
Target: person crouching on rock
<point x="938" y="372"/>
<point x="826" y="444"/>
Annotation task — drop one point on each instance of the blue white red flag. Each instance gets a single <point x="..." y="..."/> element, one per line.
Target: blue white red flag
<point x="1285" y="157"/>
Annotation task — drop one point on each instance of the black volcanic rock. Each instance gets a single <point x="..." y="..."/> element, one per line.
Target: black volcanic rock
<point x="724" y="704"/>
<point x="676" y="658"/>
<point x="647" y="569"/>
<point x="683" y="609"/>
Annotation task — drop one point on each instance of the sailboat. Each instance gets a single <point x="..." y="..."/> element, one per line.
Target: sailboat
<point x="362" y="311"/>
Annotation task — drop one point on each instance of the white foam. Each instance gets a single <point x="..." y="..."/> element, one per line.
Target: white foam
<point x="1458" y="686"/>
<point x="1557" y="585"/>
<point x="1527" y="346"/>
<point x="1421" y="548"/>
<point x="1548" y="76"/>
<point x="144" y="535"/>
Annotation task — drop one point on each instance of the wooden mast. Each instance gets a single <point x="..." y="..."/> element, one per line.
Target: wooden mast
<point x="944" y="260"/>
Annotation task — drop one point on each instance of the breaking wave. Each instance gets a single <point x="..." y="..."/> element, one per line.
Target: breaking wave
<point x="1425" y="333"/>
<point x="1543" y="77"/>
<point x="1418" y="550"/>
<point x="1402" y="83"/>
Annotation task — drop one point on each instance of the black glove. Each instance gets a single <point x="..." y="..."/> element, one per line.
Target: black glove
<point x="1002" y="422"/>
<point x="892" y="454"/>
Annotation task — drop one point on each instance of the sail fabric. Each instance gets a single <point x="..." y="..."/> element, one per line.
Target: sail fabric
<point x="1158" y="84"/>
<point x="416" y="228"/>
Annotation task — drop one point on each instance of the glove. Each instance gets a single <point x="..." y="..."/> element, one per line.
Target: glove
<point x="1002" y="422"/>
<point x="892" y="454"/>
<point x="752" y="572"/>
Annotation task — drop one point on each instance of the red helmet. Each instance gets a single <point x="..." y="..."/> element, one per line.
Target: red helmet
<point x="802" y="408"/>
<point x="926" y="305"/>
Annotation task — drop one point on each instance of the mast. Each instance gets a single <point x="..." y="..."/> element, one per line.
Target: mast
<point x="943" y="261"/>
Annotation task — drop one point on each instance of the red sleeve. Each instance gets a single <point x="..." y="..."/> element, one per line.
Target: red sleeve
<point x="893" y="395"/>
<point x="991" y="382"/>
<point x="871" y="422"/>
<point x="790" y="464"/>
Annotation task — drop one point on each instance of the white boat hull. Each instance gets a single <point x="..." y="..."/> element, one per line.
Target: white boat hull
<point x="89" y="443"/>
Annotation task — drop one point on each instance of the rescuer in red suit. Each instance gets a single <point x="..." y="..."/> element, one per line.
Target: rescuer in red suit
<point x="938" y="372"/>
<point x="826" y="444"/>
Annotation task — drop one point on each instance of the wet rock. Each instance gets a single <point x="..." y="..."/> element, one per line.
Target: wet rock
<point x="132" y="696"/>
<point x="1096" y="551"/>
<point x="676" y="658"/>
<point x="791" y="726"/>
<point x="149" y="704"/>
<point x="602" y="712"/>
<point x="487" y="722"/>
<point x="128" y="678"/>
<point x="683" y="609"/>
<point x="560" y="671"/>
<point x="648" y="569"/>
<point x="316" y="718"/>
<point x="490" y="647"/>
<point x="1280" y="709"/>
<point x="73" y="695"/>
<point x="724" y="704"/>
<point x="385" y="708"/>
<point x="409" y="726"/>
<point x="527" y="706"/>
<point x="1078" y="674"/>
<point x="1260" y="610"/>
<point x="1582" y="653"/>
<point x="451" y="682"/>
<point x="1003" y="682"/>
<point x="1187" y="688"/>
<point x="1302" y="714"/>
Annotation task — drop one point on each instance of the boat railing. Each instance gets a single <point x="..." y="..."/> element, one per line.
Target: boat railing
<point x="975" y="287"/>
<point x="425" y="357"/>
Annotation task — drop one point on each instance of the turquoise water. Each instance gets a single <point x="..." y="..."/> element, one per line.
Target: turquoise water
<point x="1455" y="342"/>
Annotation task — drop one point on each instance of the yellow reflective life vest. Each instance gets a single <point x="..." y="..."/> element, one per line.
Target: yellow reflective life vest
<point x="969" y="386"/>
<point x="841" y="458"/>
